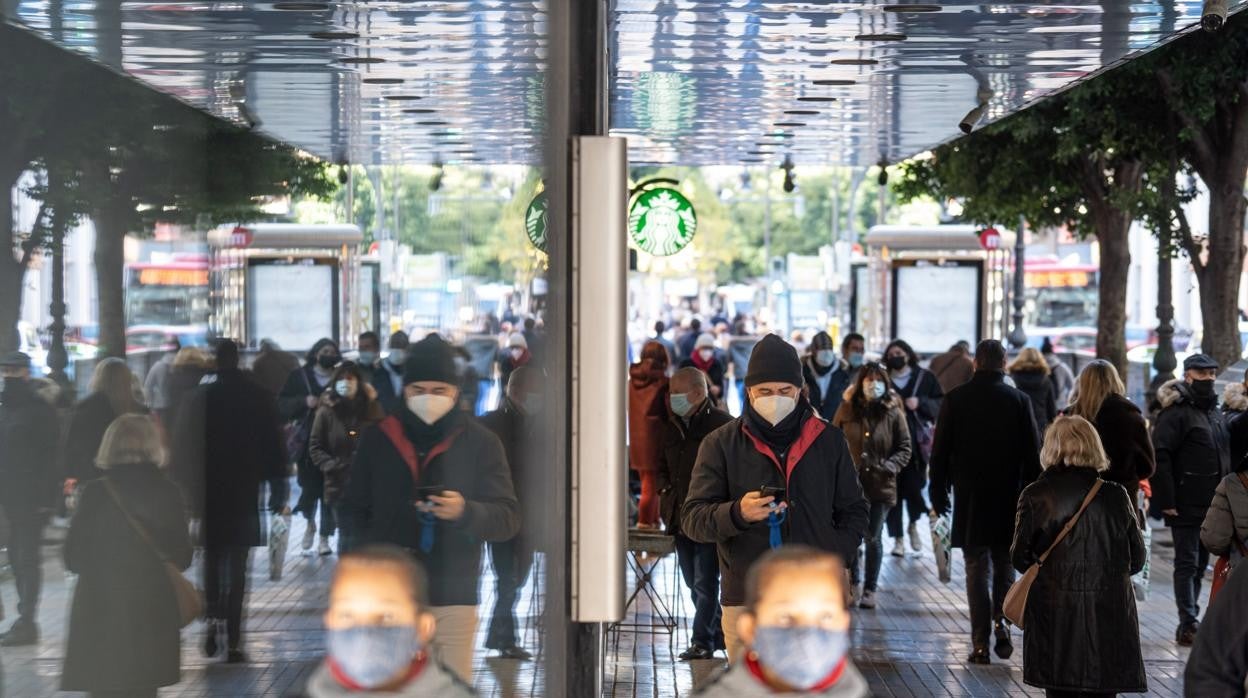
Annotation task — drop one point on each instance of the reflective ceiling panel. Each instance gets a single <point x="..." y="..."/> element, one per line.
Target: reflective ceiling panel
<point x="693" y="81"/>
<point x="707" y="81"/>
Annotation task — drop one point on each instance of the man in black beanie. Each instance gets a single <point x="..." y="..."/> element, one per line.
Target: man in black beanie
<point x="430" y="479"/>
<point x="777" y="474"/>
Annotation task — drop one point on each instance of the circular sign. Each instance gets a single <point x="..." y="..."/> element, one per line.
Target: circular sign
<point x="990" y="239"/>
<point x="662" y="221"/>
<point x="535" y="221"/>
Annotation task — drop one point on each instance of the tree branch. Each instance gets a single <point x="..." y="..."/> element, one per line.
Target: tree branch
<point x="38" y="233"/>
<point x="1203" y="154"/>
<point x="1188" y="242"/>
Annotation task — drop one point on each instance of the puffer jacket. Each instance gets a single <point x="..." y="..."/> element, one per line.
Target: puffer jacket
<point x="1082" y="631"/>
<point x="1227" y="518"/>
<point x="1193" y="454"/>
<point x="335" y="436"/>
<point x="879" y="450"/>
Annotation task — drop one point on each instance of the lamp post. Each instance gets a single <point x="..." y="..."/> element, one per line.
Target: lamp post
<point x="1018" y="337"/>
<point x="58" y="357"/>
<point x="1164" y="360"/>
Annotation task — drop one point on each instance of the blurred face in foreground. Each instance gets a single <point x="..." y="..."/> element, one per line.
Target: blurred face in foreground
<point x="799" y="630"/>
<point x="376" y="629"/>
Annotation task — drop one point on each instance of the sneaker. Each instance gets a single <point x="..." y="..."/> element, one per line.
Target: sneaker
<point x="1005" y="646"/>
<point x="899" y="547"/>
<point x="868" y="599"/>
<point x="1186" y="634"/>
<point x="309" y="535"/>
<point x="855" y="594"/>
<point x="916" y="543"/>
<point x="323" y="548"/>
<point x="20" y="634"/>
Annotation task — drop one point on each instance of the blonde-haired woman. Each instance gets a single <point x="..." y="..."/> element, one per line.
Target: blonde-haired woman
<point x="1101" y="398"/>
<point x="1031" y="375"/>
<point x="124" y="623"/>
<point x="1082" y="634"/>
<point x="112" y="395"/>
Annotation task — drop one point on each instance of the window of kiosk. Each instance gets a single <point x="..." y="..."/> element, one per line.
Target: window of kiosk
<point x="293" y="302"/>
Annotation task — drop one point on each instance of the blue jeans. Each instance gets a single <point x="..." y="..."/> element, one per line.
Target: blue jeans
<point x="1190" y="561"/>
<point x="875" y="549"/>
<point x="699" y="565"/>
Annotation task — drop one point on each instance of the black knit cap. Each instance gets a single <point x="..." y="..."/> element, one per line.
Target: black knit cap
<point x="774" y="360"/>
<point x="430" y="359"/>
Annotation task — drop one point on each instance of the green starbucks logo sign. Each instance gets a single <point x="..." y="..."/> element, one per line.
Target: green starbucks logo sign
<point x="662" y="222"/>
<point x="535" y="221"/>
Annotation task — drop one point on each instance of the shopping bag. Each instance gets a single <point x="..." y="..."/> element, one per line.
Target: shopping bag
<point x="279" y="537"/>
<point x="942" y="546"/>
<point x="1139" y="580"/>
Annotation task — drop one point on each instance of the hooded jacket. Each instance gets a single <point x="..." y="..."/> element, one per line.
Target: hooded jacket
<point x="647" y="408"/>
<point x="335" y="435"/>
<point x="1227" y="518"/>
<point x="879" y="450"/>
<point x="1193" y="454"/>
<point x="681" y="442"/>
<point x="826" y="507"/>
<point x="826" y="403"/>
<point x="380" y="500"/>
<point x="1083" y="632"/>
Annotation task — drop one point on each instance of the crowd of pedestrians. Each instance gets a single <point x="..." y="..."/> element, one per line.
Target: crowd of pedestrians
<point x="778" y="516"/>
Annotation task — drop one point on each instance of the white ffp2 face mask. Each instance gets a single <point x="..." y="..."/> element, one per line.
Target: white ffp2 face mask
<point x="430" y="408"/>
<point x="774" y="408"/>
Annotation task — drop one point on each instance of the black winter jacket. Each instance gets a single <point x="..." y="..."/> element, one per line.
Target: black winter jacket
<point x="519" y="435"/>
<point x="1124" y="434"/>
<point x="469" y="460"/>
<point x="680" y="453"/>
<point x="1039" y="389"/>
<point x="1193" y="455"/>
<point x="228" y="444"/>
<point x="1082" y="632"/>
<point x="827" y="509"/>
<point x="28" y="443"/>
<point x="390" y="399"/>
<point x="828" y="402"/>
<point x="986" y="451"/>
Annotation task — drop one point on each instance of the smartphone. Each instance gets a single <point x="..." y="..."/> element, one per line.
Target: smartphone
<point x="421" y="494"/>
<point x="768" y="491"/>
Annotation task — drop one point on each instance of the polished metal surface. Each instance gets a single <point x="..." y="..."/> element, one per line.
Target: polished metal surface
<point x="693" y="81"/>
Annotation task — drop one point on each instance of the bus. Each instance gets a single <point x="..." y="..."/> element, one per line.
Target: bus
<point x="168" y="293"/>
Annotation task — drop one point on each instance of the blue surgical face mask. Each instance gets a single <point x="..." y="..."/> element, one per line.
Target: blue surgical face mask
<point x="876" y="390"/>
<point x="371" y="655"/>
<point x="825" y="357"/>
<point x="800" y="656"/>
<point x="397" y="357"/>
<point x="680" y="404"/>
<point x="856" y="359"/>
<point x="368" y="358"/>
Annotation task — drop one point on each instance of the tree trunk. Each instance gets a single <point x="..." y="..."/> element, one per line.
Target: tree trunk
<point x="1111" y="322"/>
<point x="110" y="260"/>
<point x="11" y="275"/>
<point x="1219" y="279"/>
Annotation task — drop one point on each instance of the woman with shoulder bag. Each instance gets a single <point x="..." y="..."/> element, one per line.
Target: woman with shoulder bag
<point x="125" y="620"/>
<point x="1081" y="634"/>
<point x="921" y="394"/>
<point x="874" y="421"/>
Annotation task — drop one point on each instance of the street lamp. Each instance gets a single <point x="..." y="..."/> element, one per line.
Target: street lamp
<point x="1018" y="337"/>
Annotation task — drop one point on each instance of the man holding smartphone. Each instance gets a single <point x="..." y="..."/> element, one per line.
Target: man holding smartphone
<point x="778" y="474"/>
<point x="431" y="480"/>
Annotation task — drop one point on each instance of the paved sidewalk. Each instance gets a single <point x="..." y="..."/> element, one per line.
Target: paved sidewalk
<point x="914" y="644"/>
